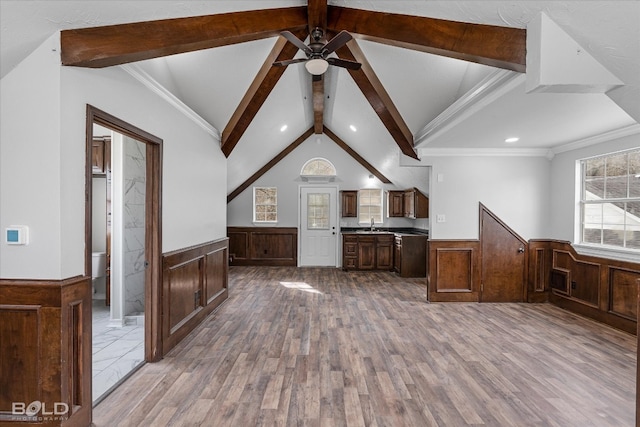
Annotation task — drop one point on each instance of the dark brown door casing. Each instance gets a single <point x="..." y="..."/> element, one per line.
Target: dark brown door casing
<point x="504" y="258"/>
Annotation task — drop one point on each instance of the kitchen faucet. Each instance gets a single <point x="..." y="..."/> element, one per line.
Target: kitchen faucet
<point x="372" y="227"/>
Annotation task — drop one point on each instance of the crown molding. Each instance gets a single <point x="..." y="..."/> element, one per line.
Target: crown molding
<point x="484" y="93"/>
<point x="597" y="139"/>
<point x="143" y="77"/>
<point x="484" y="152"/>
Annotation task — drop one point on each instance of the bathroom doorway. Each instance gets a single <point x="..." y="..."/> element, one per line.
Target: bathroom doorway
<point x="123" y="235"/>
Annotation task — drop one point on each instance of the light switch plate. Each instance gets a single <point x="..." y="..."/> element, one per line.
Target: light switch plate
<point x="441" y="218"/>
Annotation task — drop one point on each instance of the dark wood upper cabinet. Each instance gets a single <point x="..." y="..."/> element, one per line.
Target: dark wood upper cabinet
<point x="98" y="156"/>
<point x="416" y="204"/>
<point x="349" y="201"/>
<point x="395" y="200"/>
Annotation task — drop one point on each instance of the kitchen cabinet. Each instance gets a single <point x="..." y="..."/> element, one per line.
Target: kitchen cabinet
<point x="384" y="252"/>
<point x="349" y="203"/>
<point x="416" y="204"/>
<point x="410" y="255"/>
<point x="364" y="251"/>
<point x="100" y="153"/>
<point x="395" y="203"/>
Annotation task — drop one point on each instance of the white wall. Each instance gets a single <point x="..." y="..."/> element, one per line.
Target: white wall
<point x="30" y="181"/>
<point x="43" y="163"/>
<point x="514" y="188"/>
<point x="286" y="176"/>
<point x="565" y="186"/>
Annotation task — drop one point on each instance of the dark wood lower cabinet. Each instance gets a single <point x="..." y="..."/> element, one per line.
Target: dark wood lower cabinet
<point x="410" y="255"/>
<point x="367" y="251"/>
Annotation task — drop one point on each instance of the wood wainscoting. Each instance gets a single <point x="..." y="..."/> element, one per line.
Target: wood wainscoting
<point x="194" y="283"/>
<point x="600" y="288"/>
<point x="274" y="246"/>
<point x="45" y="341"/>
<point x="453" y="270"/>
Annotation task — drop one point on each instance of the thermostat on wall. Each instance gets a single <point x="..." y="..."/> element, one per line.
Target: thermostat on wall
<point x="17" y="235"/>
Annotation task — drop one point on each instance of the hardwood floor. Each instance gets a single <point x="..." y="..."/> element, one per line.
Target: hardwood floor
<point x="323" y="347"/>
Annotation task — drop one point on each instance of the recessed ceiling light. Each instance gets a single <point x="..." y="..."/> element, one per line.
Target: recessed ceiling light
<point x="514" y="139"/>
<point x="283" y="128"/>
<point x="353" y="128"/>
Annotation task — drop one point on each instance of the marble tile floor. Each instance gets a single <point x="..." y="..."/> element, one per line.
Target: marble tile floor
<point x="117" y="352"/>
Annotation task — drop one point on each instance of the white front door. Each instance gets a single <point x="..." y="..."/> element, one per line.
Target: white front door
<point x="318" y="218"/>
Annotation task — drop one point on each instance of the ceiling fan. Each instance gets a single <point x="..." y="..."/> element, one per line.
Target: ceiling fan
<point x="317" y="51"/>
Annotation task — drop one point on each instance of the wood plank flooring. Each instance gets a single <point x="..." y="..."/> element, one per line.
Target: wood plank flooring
<point x="321" y="347"/>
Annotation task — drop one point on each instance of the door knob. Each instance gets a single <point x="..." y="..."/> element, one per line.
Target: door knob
<point x="520" y="250"/>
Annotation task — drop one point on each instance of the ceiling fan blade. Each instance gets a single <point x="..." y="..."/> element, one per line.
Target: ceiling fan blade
<point x="295" y="41"/>
<point x="289" y="61"/>
<point x="337" y="42"/>
<point x="351" y="65"/>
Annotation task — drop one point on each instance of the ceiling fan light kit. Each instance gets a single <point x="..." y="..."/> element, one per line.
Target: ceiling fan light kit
<point x="316" y="66"/>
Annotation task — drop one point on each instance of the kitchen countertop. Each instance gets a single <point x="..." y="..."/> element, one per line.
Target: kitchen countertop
<point x="385" y="230"/>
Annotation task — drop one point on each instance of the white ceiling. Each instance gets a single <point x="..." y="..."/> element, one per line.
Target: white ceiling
<point x="421" y="85"/>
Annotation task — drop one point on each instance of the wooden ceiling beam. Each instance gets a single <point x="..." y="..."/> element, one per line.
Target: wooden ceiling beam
<point x="373" y="90"/>
<point x="105" y="46"/>
<point x="257" y="94"/>
<point x="253" y="178"/>
<point x="317" y="14"/>
<point x="317" y="83"/>
<point x="501" y="47"/>
<point x="368" y="166"/>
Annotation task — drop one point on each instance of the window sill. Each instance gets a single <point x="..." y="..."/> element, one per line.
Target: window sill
<point x="620" y="254"/>
<point x="265" y="224"/>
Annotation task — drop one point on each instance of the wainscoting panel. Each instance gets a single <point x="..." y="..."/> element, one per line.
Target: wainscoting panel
<point x="275" y="246"/>
<point x="45" y="336"/>
<point x="623" y="292"/>
<point x="194" y="284"/>
<point x="601" y="288"/>
<point x="454" y="270"/>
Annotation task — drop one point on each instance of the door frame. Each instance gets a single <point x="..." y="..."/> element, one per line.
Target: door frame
<point x="334" y="212"/>
<point x="153" y="221"/>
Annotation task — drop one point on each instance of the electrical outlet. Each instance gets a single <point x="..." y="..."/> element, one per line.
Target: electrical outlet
<point x="573" y="285"/>
<point x="441" y="218"/>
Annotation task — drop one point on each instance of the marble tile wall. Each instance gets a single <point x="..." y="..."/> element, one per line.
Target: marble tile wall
<point x="134" y="225"/>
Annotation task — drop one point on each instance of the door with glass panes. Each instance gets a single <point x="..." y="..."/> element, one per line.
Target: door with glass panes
<point x="318" y="223"/>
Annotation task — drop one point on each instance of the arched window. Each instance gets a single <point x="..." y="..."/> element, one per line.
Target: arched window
<point x="318" y="169"/>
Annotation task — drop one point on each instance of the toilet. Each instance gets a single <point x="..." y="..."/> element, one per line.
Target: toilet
<point x="98" y="267"/>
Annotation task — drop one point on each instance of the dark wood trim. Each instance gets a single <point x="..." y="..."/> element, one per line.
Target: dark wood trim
<point x="49" y="325"/>
<point x="368" y="166"/>
<point x="153" y="220"/>
<point x="377" y="96"/>
<point x="187" y="278"/>
<point x="281" y="155"/>
<point x="262" y="85"/>
<point x="501" y="47"/>
<point x="110" y="45"/>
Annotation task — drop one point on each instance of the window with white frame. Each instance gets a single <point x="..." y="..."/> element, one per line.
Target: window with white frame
<point x="610" y="200"/>
<point x="370" y="205"/>
<point x="265" y="204"/>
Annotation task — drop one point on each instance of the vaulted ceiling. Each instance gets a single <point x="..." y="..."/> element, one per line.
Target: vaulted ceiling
<point x="435" y="75"/>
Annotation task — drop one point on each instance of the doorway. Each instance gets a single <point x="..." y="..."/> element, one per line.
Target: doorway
<point x="123" y="247"/>
<point x="318" y="223"/>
